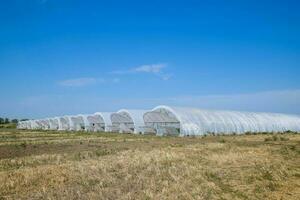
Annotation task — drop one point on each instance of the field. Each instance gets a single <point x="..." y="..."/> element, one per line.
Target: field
<point x="52" y="165"/>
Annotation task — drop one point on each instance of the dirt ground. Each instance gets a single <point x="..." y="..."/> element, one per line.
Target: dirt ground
<point x="69" y="165"/>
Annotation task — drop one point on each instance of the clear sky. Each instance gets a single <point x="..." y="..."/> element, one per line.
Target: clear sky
<point x="80" y="56"/>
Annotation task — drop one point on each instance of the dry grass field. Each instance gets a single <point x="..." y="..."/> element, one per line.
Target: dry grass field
<point x="52" y="165"/>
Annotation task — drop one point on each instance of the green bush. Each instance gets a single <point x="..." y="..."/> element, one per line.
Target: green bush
<point x="284" y="139"/>
<point x="275" y="138"/>
<point x="23" y="144"/>
<point x="268" y="139"/>
<point x="222" y="140"/>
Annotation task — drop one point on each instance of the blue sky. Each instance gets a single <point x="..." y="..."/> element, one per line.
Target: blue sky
<point x="69" y="56"/>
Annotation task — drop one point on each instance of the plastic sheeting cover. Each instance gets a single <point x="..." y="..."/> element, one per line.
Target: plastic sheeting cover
<point x="195" y="121"/>
<point x="134" y="116"/>
<point x="79" y="122"/>
<point x="105" y="116"/>
<point x="64" y="123"/>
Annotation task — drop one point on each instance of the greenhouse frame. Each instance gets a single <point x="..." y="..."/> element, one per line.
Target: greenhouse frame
<point x="128" y="121"/>
<point x="78" y="122"/>
<point x="192" y="121"/>
<point x="64" y="123"/>
<point x="100" y="121"/>
<point x="54" y="123"/>
<point x="168" y="120"/>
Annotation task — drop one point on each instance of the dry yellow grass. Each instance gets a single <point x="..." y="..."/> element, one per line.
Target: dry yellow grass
<point x="46" y="165"/>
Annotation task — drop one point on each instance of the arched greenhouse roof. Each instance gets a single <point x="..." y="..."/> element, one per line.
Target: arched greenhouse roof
<point x="84" y="118"/>
<point x="195" y="121"/>
<point x="106" y="117"/>
<point x="135" y="115"/>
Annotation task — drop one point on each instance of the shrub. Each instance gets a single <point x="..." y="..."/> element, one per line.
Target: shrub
<point x="275" y="138"/>
<point x="222" y="140"/>
<point x="293" y="147"/>
<point x="23" y="144"/>
<point x="268" y="139"/>
<point x="102" y="152"/>
<point x="288" y="131"/>
<point x="284" y="139"/>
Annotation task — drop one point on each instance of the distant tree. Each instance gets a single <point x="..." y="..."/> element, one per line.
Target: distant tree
<point x="1" y="120"/>
<point x="6" y="121"/>
<point x="23" y="119"/>
<point x="15" y="121"/>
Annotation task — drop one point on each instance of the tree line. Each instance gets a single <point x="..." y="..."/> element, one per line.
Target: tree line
<point x="7" y="120"/>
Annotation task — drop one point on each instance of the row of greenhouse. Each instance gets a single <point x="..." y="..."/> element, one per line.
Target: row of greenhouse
<point x="166" y="120"/>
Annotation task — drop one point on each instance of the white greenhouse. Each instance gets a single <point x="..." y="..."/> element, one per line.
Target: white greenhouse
<point x="24" y="125"/>
<point x="45" y="124"/>
<point x="28" y="124"/>
<point x="166" y="120"/>
<point x="54" y="123"/>
<point x="100" y="121"/>
<point x="34" y="124"/>
<point x="21" y="125"/>
<point x="39" y="123"/>
<point x="128" y="121"/>
<point x="78" y="122"/>
<point x="64" y="123"/>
